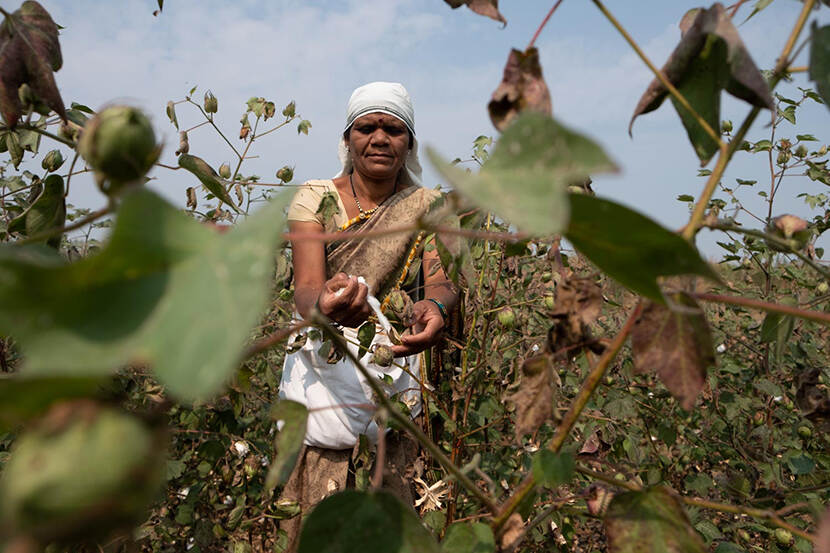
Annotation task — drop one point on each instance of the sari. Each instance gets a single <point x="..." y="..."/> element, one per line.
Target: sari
<point x="336" y="393"/>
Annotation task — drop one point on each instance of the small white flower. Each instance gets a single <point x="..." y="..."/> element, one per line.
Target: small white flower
<point x="182" y="493"/>
<point x="777" y="399"/>
<point x="721" y="348"/>
<point x="651" y="394"/>
<point x="228" y="500"/>
<point x="264" y="461"/>
<point x="535" y="348"/>
<point x="190" y="543"/>
<point x="241" y="448"/>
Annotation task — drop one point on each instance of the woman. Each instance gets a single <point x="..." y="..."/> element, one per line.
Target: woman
<point x="378" y="188"/>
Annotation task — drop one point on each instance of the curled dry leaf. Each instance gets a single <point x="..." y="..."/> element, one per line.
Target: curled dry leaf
<point x="522" y="88"/>
<point x="29" y="54"/>
<point x="813" y="399"/>
<point x="534" y="398"/>
<point x="578" y="303"/>
<point x="184" y="144"/>
<point x="710" y="57"/>
<point x="598" y="499"/>
<point x="487" y="8"/>
<point x="675" y="340"/>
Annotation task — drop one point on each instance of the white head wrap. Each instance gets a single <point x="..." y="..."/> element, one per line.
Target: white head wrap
<point x="382" y="97"/>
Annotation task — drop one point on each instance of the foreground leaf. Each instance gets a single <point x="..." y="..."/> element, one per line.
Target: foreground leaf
<point x="526" y="178"/>
<point x="650" y="521"/>
<point x="289" y="441"/>
<point x="29" y="53"/>
<point x="469" y="537"/>
<point x="208" y="177"/>
<point x="487" y="8"/>
<point x="534" y="398"/>
<point x="375" y="522"/>
<point x="820" y="61"/>
<point x="143" y="299"/>
<point x="637" y="256"/>
<point x="522" y="88"/>
<point x="23" y="398"/>
<point x="552" y="469"/>
<point x="710" y="57"/>
<point x="822" y="544"/>
<point x="675" y="341"/>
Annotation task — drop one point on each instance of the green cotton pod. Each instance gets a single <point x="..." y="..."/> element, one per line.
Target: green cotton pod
<point x="47" y="212"/>
<point x="211" y="103"/>
<point x="120" y="146"/>
<point x="286" y="174"/>
<point x="52" y="161"/>
<point x="83" y="472"/>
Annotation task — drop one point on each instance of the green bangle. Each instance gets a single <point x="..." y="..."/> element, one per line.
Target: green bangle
<point x="441" y="307"/>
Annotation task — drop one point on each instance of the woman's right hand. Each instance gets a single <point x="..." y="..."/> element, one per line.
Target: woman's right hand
<point x="343" y="300"/>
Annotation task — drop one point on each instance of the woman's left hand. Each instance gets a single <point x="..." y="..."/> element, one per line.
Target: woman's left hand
<point x="426" y="331"/>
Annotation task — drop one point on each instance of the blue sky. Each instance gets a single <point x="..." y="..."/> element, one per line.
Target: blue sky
<point x="317" y="52"/>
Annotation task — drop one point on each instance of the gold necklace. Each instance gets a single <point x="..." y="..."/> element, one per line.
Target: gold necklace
<point x="367" y="213"/>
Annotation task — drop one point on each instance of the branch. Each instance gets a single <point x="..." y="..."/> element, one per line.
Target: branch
<point x="402" y="419"/>
<point x="267" y="342"/>
<point x="588" y="386"/>
<point x="816" y="316"/>
<point x="542" y="25"/>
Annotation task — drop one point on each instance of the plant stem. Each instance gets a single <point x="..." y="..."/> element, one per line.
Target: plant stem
<point x="588" y="386"/>
<point x="225" y="138"/>
<point x="816" y="316"/>
<point x="404" y="420"/>
<point x="267" y="342"/>
<point x="69" y="175"/>
<point x="695" y="220"/>
<point x="55" y="137"/>
<point x="659" y="74"/>
<point x="542" y="25"/>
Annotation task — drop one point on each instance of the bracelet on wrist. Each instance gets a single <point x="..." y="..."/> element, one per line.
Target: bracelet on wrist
<point x="441" y="307"/>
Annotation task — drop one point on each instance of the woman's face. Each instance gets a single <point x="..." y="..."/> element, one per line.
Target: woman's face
<point x="379" y="144"/>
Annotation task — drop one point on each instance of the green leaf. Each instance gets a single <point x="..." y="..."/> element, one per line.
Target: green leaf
<point x="47" y="212"/>
<point x="759" y="5"/>
<point x="208" y="177"/>
<point x="637" y="256"/>
<point x="171" y="114"/>
<point x="674" y="340"/>
<point x="526" y="178"/>
<point x="552" y="469"/>
<point x="328" y="206"/>
<point x="686" y="198"/>
<point x="375" y="522"/>
<point x="777" y="329"/>
<point x="289" y="441"/>
<point x="469" y="537"/>
<point x="143" y="298"/>
<point x="788" y="113"/>
<point x="25" y="397"/>
<point x="649" y="521"/>
<point x="710" y="57"/>
<point x="365" y="334"/>
<point x="820" y="60"/>
<point x="806" y="138"/>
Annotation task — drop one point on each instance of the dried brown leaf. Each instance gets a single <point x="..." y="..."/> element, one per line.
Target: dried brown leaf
<point x="534" y="398"/>
<point x="522" y="88"/>
<point x="512" y="532"/>
<point x="578" y="304"/>
<point x="29" y="54"/>
<point x="744" y="80"/>
<point x="675" y="340"/>
<point x="813" y="400"/>
<point x="487" y="8"/>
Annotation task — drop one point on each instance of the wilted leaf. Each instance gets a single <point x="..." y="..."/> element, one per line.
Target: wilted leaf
<point x="364" y="521"/>
<point x="534" y="398"/>
<point x="710" y="57"/>
<point x="29" y="53"/>
<point x="26" y="397"/>
<point x="820" y="61"/>
<point x="143" y="298"/>
<point x="488" y="8"/>
<point x="650" y="521"/>
<point x="525" y="179"/>
<point x="47" y="212"/>
<point x="289" y="441"/>
<point x="578" y="303"/>
<point x="552" y="469"/>
<point x="303" y="126"/>
<point x="208" y="177"/>
<point x="469" y="537"/>
<point x="674" y="340"/>
<point x="813" y="399"/>
<point x="637" y="256"/>
<point x="522" y="88"/>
